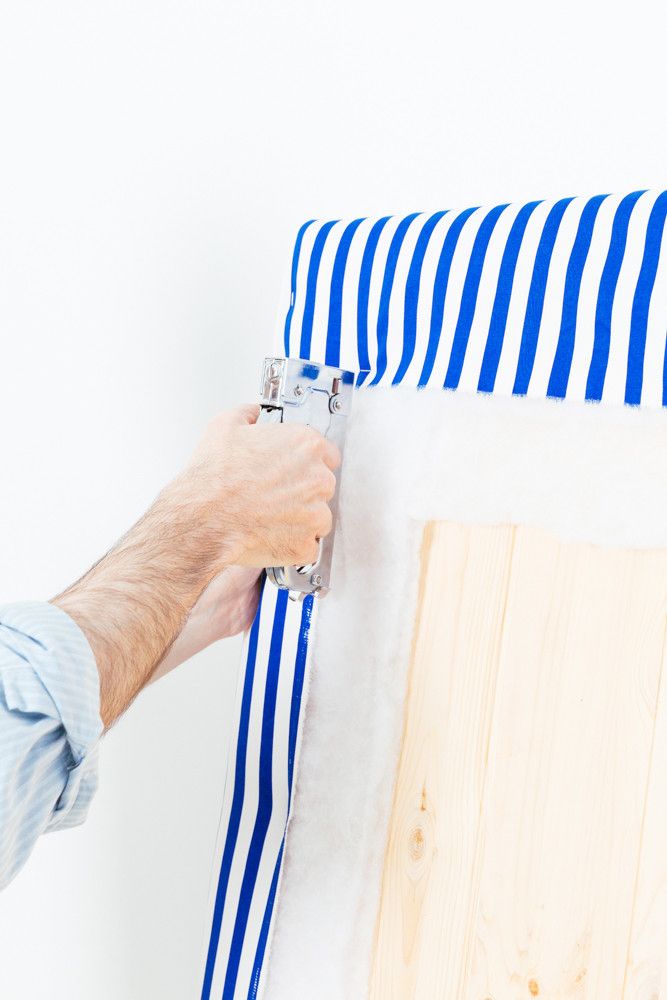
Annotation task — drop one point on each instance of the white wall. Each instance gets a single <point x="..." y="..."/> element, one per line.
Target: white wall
<point x="155" y="160"/>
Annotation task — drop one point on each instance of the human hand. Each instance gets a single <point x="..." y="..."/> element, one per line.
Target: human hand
<point x="252" y="496"/>
<point x="263" y="489"/>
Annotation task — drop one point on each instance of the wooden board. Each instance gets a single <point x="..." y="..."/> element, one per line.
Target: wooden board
<point x="527" y="850"/>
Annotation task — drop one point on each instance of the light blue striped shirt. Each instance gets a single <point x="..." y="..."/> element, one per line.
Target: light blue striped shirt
<point x="50" y="727"/>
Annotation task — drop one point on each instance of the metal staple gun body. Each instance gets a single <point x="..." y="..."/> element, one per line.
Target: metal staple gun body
<point x="293" y="390"/>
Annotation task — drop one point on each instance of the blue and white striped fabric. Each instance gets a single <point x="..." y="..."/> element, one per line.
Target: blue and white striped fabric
<point x="564" y="299"/>
<point x="50" y="727"/>
<point x="258" y="793"/>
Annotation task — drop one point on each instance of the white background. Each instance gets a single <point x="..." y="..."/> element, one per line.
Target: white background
<point x="156" y="159"/>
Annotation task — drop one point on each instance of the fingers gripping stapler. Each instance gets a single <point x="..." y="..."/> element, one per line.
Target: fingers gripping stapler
<point x="296" y="391"/>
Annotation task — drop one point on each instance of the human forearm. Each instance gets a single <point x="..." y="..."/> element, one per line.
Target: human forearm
<point x="225" y="608"/>
<point x="133" y="603"/>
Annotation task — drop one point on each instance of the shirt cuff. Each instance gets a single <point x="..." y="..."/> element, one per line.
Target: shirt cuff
<point x="60" y="655"/>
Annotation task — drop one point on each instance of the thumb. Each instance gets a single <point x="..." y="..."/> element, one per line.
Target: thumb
<point x="246" y="414"/>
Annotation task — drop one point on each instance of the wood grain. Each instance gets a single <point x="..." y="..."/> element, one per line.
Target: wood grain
<point x="523" y="849"/>
<point x="646" y="969"/>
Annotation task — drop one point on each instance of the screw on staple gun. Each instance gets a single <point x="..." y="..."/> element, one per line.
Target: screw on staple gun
<point x="296" y="391"/>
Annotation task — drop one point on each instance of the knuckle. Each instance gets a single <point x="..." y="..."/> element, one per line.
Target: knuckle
<point x="331" y="456"/>
<point x="317" y="445"/>
<point x="310" y="520"/>
<point x="326" y="522"/>
<point x="314" y="440"/>
<point x="328" y="484"/>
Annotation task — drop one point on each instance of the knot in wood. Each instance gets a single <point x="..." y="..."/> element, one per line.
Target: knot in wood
<point x="416" y="843"/>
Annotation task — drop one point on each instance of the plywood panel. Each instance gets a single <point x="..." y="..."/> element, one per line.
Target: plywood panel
<point x="513" y="860"/>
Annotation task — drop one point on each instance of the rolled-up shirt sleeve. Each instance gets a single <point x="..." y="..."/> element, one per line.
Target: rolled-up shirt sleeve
<point x="50" y="727"/>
